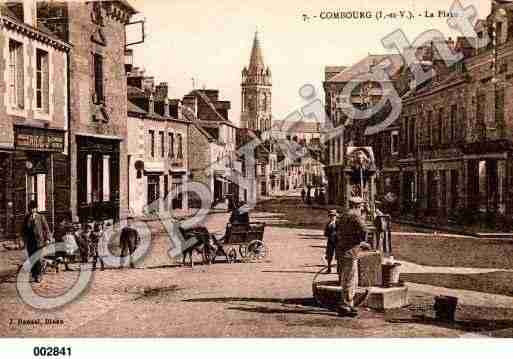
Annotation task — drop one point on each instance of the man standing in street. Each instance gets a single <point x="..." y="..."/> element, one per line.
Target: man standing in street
<point x="330" y="231"/>
<point x="36" y="235"/>
<point x="351" y="236"/>
<point x="128" y="240"/>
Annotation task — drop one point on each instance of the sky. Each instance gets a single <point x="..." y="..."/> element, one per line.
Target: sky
<point x="211" y="41"/>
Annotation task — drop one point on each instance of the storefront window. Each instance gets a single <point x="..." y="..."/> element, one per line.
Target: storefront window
<point x="36" y="190"/>
<point x="106" y="178"/>
<point x="153" y="190"/>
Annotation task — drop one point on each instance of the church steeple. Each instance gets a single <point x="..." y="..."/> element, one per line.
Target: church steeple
<point x="256" y="61"/>
<point x="256" y="91"/>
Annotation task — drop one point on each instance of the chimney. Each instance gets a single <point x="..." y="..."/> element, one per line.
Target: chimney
<point x="30" y="12"/>
<point x="162" y="91"/>
<point x="179" y="110"/>
<point x="191" y="102"/>
<point x="166" y="106"/>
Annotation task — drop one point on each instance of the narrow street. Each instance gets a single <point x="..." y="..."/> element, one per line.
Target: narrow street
<point x="272" y="298"/>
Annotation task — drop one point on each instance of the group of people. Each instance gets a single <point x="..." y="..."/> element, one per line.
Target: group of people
<point x="91" y="241"/>
<point x="317" y="196"/>
<point x="346" y="236"/>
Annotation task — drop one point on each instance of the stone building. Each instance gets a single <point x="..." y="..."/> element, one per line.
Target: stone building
<point x="308" y="170"/>
<point x="33" y="119"/>
<point x="158" y="138"/>
<point x="365" y="94"/>
<point x="98" y="103"/>
<point x="456" y="146"/>
<point x="210" y="116"/>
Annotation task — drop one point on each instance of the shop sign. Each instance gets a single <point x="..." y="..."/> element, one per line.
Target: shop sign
<point x="38" y="139"/>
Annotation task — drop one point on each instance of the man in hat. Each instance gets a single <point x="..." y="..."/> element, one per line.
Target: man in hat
<point x="351" y="236"/>
<point x="128" y="240"/>
<point x="36" y="234"/>
<point x="330" y="232"/>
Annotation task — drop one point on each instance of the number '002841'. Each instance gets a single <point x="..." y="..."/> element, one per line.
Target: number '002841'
<point x="51" y="351"/>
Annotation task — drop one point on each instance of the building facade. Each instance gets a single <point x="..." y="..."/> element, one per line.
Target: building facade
<point x="157" y="148"/>
<point x="211" y="116"/>
<point x="352" y="132"/>
<point x="34" y="119"/>
<point x="98" y="103"/>
<point x="456" y="145"/>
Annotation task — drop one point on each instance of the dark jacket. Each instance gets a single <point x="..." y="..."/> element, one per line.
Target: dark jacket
<point x="240" y="215"/>
<point x="36" y="232"/>
<point x="351" y="231"/>
<point x="330" y="231"/>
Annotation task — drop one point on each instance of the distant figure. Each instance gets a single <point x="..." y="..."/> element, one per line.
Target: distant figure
<point x="309" y="196"/>
<point x="316" y="195"/>
<point x="322" y="198"/>
<point x="303" y="194"/>
<point x="128" y="240"/>
<point x="35" y="234"/>
<point x="240" y="214"/>
<point x="330" y="232"/>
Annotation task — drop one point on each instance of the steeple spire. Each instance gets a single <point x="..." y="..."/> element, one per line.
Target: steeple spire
<point x="256" y="61"/>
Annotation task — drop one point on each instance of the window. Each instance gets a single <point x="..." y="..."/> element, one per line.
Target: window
<point x="394" y="142"/>
<point x="36" y="190"/>
<point x="42" y="81"/>
<point x="430" y="127"/>
<point x="411" y="137"/>
<point x="498" y="33"/>
<point x="480" y="112"/>
<point x="338" y="150"/>
<point x="106" y="178"/>
<point x="454" y="113"/>
<point x="98" y="78"/>
<point x="152" y="143"/>
<point x="180" y="146"/>
<point x="16" y="74"/>
<point x="499" y="106"/>
<point x="441" y="126"/>
<point x="89" y="185"/>
<point x="153" y="191"/>
<point x="171" y="150"/>
<point x="162" y="145"/>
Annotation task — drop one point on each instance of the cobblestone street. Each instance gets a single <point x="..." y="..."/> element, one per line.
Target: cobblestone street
<point x="272" y="298"/>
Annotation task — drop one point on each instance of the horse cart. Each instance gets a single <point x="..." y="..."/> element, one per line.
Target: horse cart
<point x="245" y="241"/>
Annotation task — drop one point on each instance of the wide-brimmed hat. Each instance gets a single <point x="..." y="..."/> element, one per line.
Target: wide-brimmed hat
<point x="333" y="212"/>
<point x="356" y="200"/>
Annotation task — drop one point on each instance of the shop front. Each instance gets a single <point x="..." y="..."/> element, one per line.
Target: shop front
<point x="97" y="184"/>
<point x="40" y="173"/>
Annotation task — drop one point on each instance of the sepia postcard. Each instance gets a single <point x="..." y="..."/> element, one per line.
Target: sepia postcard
<point x="255" y="169"/>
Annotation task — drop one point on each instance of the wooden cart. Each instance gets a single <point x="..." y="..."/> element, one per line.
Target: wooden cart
<point x="246" y="241"/>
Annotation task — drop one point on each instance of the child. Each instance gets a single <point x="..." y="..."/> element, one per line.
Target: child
<point x="331" y="233"/>
<point x="97" y="242"/>
<point x="83" y="242"/>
